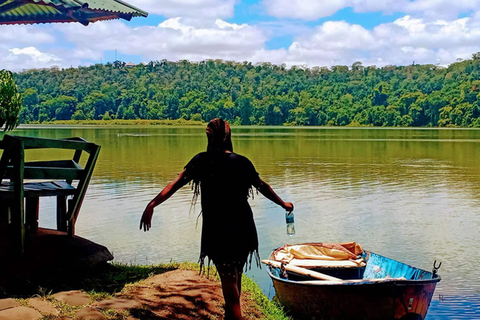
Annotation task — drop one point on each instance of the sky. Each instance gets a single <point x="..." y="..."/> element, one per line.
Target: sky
<point x="308" y="33"/>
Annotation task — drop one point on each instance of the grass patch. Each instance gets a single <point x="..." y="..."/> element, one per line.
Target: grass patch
<point x="22" y="302"/>
<point x="65" y="310"/>
<point x="255" y="297"/>
<point x="116" y="315"/>
<point x="43" y="293"/>
<point x="97" y="296"/>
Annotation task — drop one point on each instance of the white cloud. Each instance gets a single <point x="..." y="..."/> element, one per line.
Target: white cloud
<point x="303" y="9"/>
<point x="19" y="47"/>
<point x="197" y="9"/>
<point x="433" y="35"/>
<point x="22" y="34"/>
<point x="278" y="56"/>
<point x="441" y="9"/>
<point x="386" y="6"/>
<point x="34" y="53"/>
<point x="173" y="39"/>
<point x="316" y="9"/>
<point x="340" y="35"/>
<point x="400" y="43"/>
<point x="17" y="59"/>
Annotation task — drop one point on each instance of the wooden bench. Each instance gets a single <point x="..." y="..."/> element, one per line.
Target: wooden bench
<point x="65" y="179"/>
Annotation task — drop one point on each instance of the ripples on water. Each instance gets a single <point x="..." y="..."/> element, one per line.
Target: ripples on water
<point x="413" y="195"/>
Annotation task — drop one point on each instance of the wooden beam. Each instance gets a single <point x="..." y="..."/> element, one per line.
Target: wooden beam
<point x="39" y="189"/>
<point x="38" y="143"/>
<point x="78" y="16"/>
<point x="48" y="173"/>
<point x="302" y="271"/>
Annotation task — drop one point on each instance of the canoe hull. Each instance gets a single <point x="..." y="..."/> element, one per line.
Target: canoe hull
<point x="390" y="300"/>
<point x="384" y="289"/>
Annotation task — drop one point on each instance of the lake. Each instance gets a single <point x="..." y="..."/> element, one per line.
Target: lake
<point x="409" y="194"/>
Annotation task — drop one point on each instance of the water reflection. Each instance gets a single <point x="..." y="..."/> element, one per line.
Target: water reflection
<point x="410" y="194"/>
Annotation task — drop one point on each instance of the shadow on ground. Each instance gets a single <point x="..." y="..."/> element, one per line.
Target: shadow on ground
<point x="111" y="278"/>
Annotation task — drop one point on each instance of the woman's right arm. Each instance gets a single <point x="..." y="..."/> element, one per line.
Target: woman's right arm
<point x="167" y="192"/>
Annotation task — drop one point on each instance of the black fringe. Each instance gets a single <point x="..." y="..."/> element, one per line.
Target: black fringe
<point x="248" y="262"/>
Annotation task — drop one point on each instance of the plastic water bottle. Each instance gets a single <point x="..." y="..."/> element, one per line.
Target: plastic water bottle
<point x="290" y="223"/>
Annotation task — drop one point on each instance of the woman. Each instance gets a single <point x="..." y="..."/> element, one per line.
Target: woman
<point x="229" y="237"/>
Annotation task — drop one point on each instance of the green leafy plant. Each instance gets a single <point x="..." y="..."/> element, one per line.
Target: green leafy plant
<point x="10" y="101"/>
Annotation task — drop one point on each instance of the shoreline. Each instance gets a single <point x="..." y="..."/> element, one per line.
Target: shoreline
<point x="137" y="122"/>
<point x="195" y="123"/>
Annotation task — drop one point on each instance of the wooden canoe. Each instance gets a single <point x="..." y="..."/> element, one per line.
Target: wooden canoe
<point x="383" y="289"/>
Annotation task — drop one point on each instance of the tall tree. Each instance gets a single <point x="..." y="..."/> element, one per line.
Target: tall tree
<point x="10" y="101"/>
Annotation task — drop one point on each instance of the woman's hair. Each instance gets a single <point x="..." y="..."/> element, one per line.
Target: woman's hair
<point x="219" y="136"/>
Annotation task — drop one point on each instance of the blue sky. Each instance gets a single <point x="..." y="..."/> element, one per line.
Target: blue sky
<point x="293" y="32"/>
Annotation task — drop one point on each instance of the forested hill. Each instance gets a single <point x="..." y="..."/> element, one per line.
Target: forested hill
<point x="243" y="93"/>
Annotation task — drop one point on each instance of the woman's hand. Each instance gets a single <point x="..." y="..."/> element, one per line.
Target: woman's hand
<point x="167" y="192"/>
<point x="146" y="220"/>
<point x="288" y="206"/>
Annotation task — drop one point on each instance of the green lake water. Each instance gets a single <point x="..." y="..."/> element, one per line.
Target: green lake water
<point x="409" y="194"/>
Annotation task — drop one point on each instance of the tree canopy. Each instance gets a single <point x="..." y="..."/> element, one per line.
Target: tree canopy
<point x="10" y="101"/>
<point x="260" y="94"/>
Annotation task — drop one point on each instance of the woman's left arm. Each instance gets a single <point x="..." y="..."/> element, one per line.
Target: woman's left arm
<point x="268" y="192"/>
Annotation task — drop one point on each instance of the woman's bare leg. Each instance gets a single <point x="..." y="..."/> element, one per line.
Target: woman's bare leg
<point x="230" y="278"/>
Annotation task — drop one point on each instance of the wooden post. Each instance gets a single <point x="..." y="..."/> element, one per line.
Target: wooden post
<point x="68" y="223"/>
<point x="4" y="208"/>
<point x="76" y="159"/>
<point x="77" y="200"/>
<point x="71" y="221"/>
<point x="62" y="213"/>
<point x="31" y="212"/>
<point x="5" y="222"/>
<point x="18" y="210"/>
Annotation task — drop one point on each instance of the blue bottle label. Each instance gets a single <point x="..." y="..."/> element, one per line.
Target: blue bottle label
<point x="289" y="217"/>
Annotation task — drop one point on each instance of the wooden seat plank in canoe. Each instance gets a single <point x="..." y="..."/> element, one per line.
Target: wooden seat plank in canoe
<point x="26" y="183"/>
<point x="302" y="271"/>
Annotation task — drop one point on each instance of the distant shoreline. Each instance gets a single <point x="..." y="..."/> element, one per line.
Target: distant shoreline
<point x="177" y="122"/>
<point x="193" y="123"/>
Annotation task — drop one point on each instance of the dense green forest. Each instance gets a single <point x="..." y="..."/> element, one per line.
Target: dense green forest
<point x="260" y="94"/>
